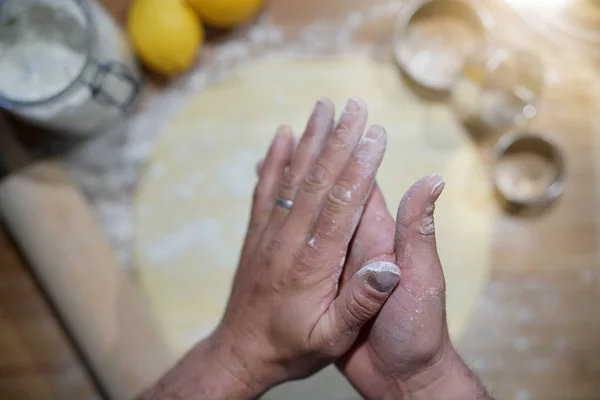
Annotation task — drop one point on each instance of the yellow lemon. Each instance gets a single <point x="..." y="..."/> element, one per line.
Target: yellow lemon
<point x="166" y="34"/>
<point x="226" y="13"/>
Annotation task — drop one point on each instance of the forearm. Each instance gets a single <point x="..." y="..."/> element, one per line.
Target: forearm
<point x="449" y="379"/>
<point x="205" y="373"/>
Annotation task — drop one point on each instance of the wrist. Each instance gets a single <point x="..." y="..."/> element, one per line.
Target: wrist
<point x="212" y="370"/>
<point x="446" y="378"/>
<point x="237" y="363"/>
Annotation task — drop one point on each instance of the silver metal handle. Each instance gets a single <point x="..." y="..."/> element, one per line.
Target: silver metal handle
<point x="104" y="70"/>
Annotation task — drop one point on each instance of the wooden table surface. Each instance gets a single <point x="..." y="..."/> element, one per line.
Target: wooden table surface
<point x="535" y="332"/>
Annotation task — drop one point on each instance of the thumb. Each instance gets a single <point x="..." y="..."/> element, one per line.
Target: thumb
<point x="416" y="250"/>
<point x="360" y="300"/>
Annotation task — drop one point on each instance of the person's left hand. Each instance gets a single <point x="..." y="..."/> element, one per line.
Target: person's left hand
<point x="285" y="309"/>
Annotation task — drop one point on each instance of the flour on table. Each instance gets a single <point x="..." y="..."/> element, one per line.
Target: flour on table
<point x="522" y="394"/>
<point x="203" y="235"/>
<point x="522" y="344"/>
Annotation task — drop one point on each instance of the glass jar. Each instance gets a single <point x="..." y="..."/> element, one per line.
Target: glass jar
<point x="65" y="65"/>
<point x="499" y="88"/>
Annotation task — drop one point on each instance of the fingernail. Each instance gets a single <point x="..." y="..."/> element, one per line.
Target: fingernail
<point x="320" y="107"/>
<point x="437" y="188"/>
<point x="283" y="132"/>
<point x="382" y="276"/>
<point x="374" y="133"/>
<point x="352" y="106"/>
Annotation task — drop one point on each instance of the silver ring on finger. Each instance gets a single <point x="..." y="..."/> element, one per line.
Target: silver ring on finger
<point x="285" y="203"/>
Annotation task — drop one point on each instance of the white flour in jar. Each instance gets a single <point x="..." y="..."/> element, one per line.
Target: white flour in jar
<point x="37" y="58"/>
<point x="44" y="50"/>
<point x="37" y="69"/>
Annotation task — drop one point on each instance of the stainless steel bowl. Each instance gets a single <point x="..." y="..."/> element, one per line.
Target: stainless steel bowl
<point x="536" y="175"/>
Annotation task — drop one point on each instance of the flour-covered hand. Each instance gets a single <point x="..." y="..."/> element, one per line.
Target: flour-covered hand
<point x="286" y="318"/>
<point x="407" y="353"/>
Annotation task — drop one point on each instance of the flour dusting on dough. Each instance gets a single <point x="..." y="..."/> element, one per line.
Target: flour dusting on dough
<point x="200" y="234"/>
<point x="236" y="175"/>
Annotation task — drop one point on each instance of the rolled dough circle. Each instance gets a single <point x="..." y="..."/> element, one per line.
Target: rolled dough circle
<point x="193" y="202"/>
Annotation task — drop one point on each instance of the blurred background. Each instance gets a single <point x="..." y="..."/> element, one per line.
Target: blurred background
<point x="86" y="88"/>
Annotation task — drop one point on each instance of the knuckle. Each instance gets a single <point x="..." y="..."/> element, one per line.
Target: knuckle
<point x="417" y="226"/>
<point x="274" y="247"/>
<point x="289" y="180"/>
<point x="341" y="133"/>
<point x="427" y="224"/>
<point x="305" y="261"/>
<point x="359" y="305"/>
<point x="309" y="269"/>
<point x="317" y="178"/>
<point x="303" y="266"/>
<point x="340" y="196"/>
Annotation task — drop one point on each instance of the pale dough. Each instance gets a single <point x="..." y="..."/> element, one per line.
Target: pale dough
<point x="193" y="203"/>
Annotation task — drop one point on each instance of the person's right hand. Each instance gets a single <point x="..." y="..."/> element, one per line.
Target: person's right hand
<point x="406" y="353"/>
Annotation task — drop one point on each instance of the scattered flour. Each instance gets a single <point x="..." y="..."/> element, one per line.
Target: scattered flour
<point x="187" y="188"/>
<point x="560" y="343"/>
<point x="522" y="344"/>
<point x="202" y="234"/>
<point x="234" y="173"/>
<point x="587" y="277"/>
<point x="156" y="171"/>
<point x="524" y="315"/>
<point x="540" y="364"/>
<point x="522" y="394"/>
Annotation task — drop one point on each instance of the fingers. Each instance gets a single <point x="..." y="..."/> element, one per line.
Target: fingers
<point x="324" y="172"/>
<point x="415" y="229"/>
<point x="346" y="200"/>
<point x="374" y="238"/>
<point x="360" y="301"/>
<point x="375" y="232"/>
<point x="265" y="192"/>
<point x="306" y="152"/>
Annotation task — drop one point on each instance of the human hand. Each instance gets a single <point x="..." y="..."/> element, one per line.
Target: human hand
<point x="286" y="317"/>
<point x="406" y="353"/>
